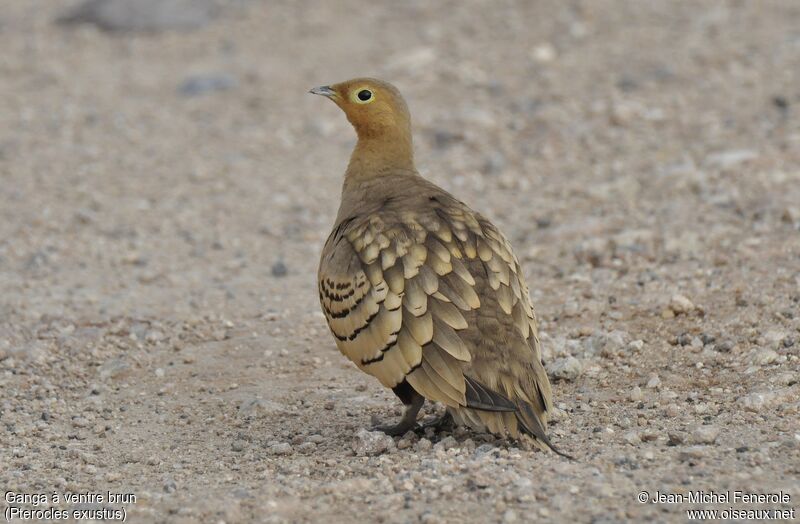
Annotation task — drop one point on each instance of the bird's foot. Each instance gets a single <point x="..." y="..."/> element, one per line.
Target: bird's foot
<point x="396" y="430"/>
<point x="443" y="423"/>
<point x="408" y="422"/>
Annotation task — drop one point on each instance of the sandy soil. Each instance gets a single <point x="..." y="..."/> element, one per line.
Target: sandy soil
<point x="164" y="198"/>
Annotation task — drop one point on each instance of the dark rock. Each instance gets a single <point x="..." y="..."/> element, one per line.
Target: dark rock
<point x="781" y="103"/>
<point x="707" y="339"/>
<point x="205" y="84"/>
<point x="495" y="163"/>
<point x="142" y="15"/>
<point x="675" y="439"/>
<point x="443" y="138"/>
<point x="279" y="269"/>
<point x="170" y="486"/>
<point x="725" y="346"/>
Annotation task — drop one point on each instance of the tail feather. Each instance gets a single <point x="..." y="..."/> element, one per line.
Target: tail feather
<point x="532" y="425"/>
<point x="487" y="409"/>
<point x="485" y="399"/>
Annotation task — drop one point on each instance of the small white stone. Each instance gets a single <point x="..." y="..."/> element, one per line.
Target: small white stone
<point x="544" y="53"/>
<point x="636" y="394"/>
<point x="756" y="401"/>
<point x="636" y="345"/>
<point x="632" y="437"/>
<point x="653" y="381"/>
<point x="705" y="434"/>
<point x="371" y="443"/>
<point x="763" y="356"/>
<point x="680" y="304"/>
<point x="773" y="338"/>
<point x="731" y="158"/>
<point x="568" y="368"/>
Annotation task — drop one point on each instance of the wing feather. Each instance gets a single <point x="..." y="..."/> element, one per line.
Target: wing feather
<point x="431" y="293"/>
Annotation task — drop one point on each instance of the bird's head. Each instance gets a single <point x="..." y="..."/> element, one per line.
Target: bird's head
<point x="375" y="108"/>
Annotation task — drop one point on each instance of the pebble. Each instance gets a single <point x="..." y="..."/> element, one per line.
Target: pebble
<point x="705" y="434"/>
<point x="544" y="53"/>
<point x="756" y="401"/>
<point x="774" y="338"/>
<point x="763" y="356"/>
<point x="279" y="269"/>
<point x="636" y="345"/>
<point x="170" y="486"/>
<point x="636" y="394"/>
<point x="372" y="443"/>
<point x="307" y="447"/>
<point x="495" y="163"/>
<point x="255" y="407"/>
<point x="614" y="343"/>
<point x="731" y="158"/>
<point x="632" y="437"/>
<point x="653" y="381"/>
<point x="446" y="443"/>
<point x="679" y="304"/>
<point x="281" y="448"/>
<point x="424" y="445"/>
<point x="429" y="517"/>
<point x="725" y="346"/>
<point x="791" y="215"/>
<point x="568" y="368"/>
<point x="692" y="452"/>
<point x="484" y="449"/>
<point x="114" y="368"/>
<point x="204" y="84"/>
<point x="674" y="439"/>
<point x="238" y="445"/>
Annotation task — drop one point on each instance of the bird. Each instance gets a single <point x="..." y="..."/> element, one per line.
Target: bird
<point x="424" y="293"/>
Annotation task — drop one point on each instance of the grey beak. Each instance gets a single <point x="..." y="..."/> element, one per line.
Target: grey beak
<point x="324" y="91"/>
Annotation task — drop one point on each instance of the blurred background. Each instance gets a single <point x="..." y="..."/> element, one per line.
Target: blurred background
<point x="166" y="185"/>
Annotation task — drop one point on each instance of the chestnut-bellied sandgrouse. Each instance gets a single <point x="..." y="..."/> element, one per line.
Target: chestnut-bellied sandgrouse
<point x="422" y="292"/>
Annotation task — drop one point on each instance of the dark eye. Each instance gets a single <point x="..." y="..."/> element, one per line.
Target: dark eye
<point x="364" y="95"/>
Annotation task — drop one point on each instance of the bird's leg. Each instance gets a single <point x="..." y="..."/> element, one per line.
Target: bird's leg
<point x="443" y="423"/>
<point x="409" y="419"/>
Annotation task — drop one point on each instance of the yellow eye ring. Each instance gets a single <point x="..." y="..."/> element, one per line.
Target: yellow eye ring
<point x="363" y="95"/>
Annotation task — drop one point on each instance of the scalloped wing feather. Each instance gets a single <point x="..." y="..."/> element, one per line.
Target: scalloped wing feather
<point x="427" y="291"/>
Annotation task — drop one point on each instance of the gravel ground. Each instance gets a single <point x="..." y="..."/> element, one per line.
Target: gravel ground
<point x="164" y="196"/>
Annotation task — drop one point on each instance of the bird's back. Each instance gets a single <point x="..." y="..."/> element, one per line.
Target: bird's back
<point x="419" y="289"/>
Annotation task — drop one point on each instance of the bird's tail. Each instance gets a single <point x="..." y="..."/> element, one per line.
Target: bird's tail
<point x="521" y="421"/>
<point x="531" y="425"/>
